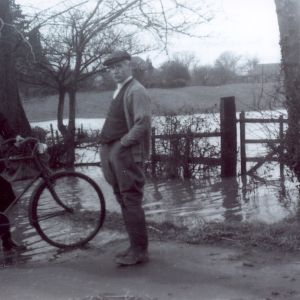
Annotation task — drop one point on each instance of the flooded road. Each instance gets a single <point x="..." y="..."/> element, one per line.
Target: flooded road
<point x="182" y="203"/>
<point x="190" y="202"/>
<point x="185" y="203"/>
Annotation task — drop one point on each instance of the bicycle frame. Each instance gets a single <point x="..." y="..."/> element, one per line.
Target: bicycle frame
<point x="40" y="174"/>
<point x="25" y="189"/>
<point x="49" y="187"/>
<point x="43" y="172"/>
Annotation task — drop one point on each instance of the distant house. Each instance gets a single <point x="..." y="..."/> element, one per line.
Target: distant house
<point x="265" y="73"/>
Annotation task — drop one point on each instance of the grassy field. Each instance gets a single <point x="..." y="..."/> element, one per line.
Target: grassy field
<point x="188" y="99"/>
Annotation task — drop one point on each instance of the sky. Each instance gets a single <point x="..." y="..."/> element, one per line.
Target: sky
<point x="244" y="27"/>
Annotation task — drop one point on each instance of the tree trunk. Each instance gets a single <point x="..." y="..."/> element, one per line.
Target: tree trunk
<point x="60" y="112"/>
<point x="288" y="13"/>
<point x="68" y="132"/>
<point x="70" y="137"/>
<point x="10" y="103"/>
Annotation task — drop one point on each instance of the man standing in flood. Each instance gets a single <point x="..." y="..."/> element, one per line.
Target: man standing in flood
<point x="125" y="145"/>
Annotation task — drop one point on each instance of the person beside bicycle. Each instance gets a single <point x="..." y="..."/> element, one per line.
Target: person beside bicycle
<point x="125" y="145"/>
<point x="7" y="196"/>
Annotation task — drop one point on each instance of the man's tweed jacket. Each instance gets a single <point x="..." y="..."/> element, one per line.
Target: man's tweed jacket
<point x="137" y="109"/>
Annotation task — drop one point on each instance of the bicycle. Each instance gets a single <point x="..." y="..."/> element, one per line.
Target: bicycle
<point x="67" y="208"/>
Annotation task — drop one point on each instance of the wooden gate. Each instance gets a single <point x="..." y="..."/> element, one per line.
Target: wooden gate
<point x="273" y="155"/>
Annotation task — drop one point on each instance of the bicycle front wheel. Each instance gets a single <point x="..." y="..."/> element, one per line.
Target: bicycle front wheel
<point x="67" y="210"/>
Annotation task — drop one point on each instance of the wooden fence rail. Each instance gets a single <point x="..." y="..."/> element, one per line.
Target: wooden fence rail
<point x="186" y="156"/>
<point x="227" y="134"/>
<point x="228" y="141"/>
<point x="56" y="138"/>
<point x="260" y="160"/>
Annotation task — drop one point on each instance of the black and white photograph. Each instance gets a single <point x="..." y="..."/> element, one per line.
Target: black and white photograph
<point x="149" y="149"/>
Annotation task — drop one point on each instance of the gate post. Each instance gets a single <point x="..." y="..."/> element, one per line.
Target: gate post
<point x="228" y="137"/>
<point x="281" y="147"/>
<point x="243" y="143"/>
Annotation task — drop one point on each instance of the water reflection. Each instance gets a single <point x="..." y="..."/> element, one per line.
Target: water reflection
<point x="191" y="202"/>
<point x="231" y="199"/>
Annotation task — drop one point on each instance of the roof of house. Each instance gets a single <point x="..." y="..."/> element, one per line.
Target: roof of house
<point x="266" y="69"/>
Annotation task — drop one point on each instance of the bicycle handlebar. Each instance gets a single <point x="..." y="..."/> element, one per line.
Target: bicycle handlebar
<point x="37" y="147"/>
<point x="8" y="141"/>
<point x="27" y="140"/>
<point x="20" y="142"/>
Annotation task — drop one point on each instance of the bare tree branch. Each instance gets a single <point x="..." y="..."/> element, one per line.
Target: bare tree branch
<point x="75" y="40"/>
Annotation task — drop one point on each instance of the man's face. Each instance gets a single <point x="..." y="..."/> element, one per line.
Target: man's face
<point x="121" y="70"/>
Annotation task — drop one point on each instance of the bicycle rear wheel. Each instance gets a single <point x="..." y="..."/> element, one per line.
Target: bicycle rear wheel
<point x="69" y="210"/>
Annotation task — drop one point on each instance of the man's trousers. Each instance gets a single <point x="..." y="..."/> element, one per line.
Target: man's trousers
<point x="127" y="180"/>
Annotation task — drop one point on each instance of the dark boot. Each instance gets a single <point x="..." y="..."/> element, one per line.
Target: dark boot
<point x="8" y="244"/>
<point x="123" y="252"/>
<point x="133" y="257"/>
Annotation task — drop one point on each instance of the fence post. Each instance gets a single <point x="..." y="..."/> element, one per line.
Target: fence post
<point x="57" y="136"/>
<point x="52" y="134"/>
<point x="228" y="136"/>
<point x="243" y="143"/>
<point x="187" y="152"/>
<point x="281" y="147"/>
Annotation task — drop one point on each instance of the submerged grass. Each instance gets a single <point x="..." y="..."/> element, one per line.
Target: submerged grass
<point x="284" y="235"/>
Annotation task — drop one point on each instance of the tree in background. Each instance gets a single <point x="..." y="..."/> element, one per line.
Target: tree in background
<point x="203" y="75"/>
<point x="18" y="18"/>
<point x="288" y="14"/>
<point x="226" y="68"/>
<point x="69" y="52"/>
<point x="149" y="75"/>
<point x="75" y="41"/>
<point x="186" y="58"/>
<point x="140" y="68"/>
<point x="10" y="40"/>
<point x="175" y="74"/>
<point x="249" y="65"/>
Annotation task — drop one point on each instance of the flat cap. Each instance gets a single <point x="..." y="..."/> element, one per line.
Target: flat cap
<point x="115" y="57"/>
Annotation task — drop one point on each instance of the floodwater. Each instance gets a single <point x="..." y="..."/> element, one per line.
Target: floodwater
<point x="266" y="198"/>
<point x="192" y="202"/>
<point x="183" y="203"/>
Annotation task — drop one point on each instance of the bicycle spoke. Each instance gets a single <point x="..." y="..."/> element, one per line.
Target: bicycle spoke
<point x="69" y="212"/>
